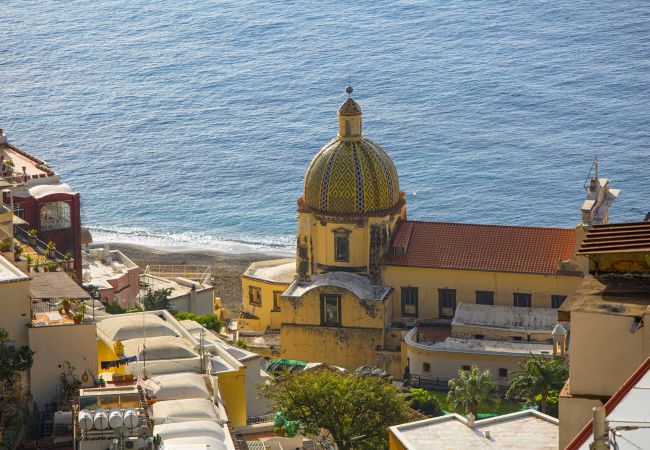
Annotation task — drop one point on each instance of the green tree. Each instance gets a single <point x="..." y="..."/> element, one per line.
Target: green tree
<point x="425" y="402"/>
<point x="356" y="411"/>
<point x="13" y="359"/>
<point x="541" y="377"/>
<point x="472" y="389"/>
<point x="92" y="290"/>
<point x="158" y="299"/>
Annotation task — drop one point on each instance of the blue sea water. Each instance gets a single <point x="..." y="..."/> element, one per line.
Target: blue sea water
<point x="191" y="124"/>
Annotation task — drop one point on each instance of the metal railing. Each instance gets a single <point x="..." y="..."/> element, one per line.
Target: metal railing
<point x="252" y="420"/>
<point x="40" y="246"/>
<point x="200" y="273"/>
<point x="442" y="384"/>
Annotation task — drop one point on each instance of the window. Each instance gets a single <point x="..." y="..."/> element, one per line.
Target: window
<point x="447" y="302"/>
<point x="19" y="210"/>
<point x="522" y="300"/>
<point x="410" y="301"/>
<point x="484" y="297"/>
<point x="55" y="216"/>
<point x="503" y="373"/>
<point x="466" y="368"/>
<point x="517" y="338"/>
<point x="557" y="300"/>
<point x="276" y="300"/>
<point x="426" y="367"/>
<point x="254" y="296"/>
<point x="342" y="250"/>
<point x="331" y="309"/>
<point x="480" y="337"/>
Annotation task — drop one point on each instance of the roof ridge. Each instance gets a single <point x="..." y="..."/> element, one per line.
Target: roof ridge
<point x="489" y="225"/>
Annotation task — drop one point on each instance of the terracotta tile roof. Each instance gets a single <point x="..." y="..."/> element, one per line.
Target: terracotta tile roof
<point x="494" y="248"/>
<point x="617" y="238"/>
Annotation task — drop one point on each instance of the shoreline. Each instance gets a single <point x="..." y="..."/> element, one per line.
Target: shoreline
<point x="226" y="267"/>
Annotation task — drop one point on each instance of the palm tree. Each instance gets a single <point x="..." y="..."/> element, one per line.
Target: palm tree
<point x="471" y="389"/>
<point x="538" y="376"/>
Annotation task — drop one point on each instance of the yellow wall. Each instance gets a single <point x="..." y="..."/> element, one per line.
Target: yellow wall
<point x="600" y="342"/>
<point x="467" y="282"/>
<point x="346" y="347"/>
<point x="106" y="353"/>
<point x="354" y="312"/>
<point x="232" y="386"/>
<point x="53" y="346"/>
<point x="321" y="234"/>
<point x="15" y="309"/>
<point x="575" y="412"/>
<point x="268" y="318"/>
<point x="351" y="345"/>
<point x="393" y="443"/>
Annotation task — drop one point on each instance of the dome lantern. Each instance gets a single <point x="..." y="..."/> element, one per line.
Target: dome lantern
<point x="349" y="119"/>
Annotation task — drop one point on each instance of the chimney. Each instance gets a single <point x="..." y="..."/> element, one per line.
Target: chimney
<point x="600" y="427"/>
<point x="3" y="137"/>
<point x="600" y="196"/>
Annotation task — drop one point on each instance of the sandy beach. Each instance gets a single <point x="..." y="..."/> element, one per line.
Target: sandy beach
<point x="226" y="267"/>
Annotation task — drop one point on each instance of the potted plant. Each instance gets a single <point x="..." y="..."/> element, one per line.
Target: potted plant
<point x="51" y="248"/>
<point x="30" y="262"/>
<point x="67" y="261"/>
<point x="5" y="246"/>
<point x="65" y="304"/>
<point x="157" y="440"/>
<point x="9" y="168"/>
<point x="79" y="316"/>
<point x="18" y="250"/>
<point x="32" y="236"/>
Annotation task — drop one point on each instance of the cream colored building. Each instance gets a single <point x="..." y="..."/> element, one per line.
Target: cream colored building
<point x="15" y="300"/>
<point x="364" y="274"/>
<point x="608" y="340"/>
<point x="528" y="429"/>
<point x="496" y="338"/>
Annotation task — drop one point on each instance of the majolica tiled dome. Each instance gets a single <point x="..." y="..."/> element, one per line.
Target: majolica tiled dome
<point x="351" y="175"/>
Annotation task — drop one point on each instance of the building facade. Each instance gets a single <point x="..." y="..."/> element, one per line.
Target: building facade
<point x="364" y="274"/>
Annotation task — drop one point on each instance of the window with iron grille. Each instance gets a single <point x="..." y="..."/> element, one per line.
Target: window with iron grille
<point x="522" y="300"/>
<point x="485" y="297"/>
<point x="409" y="301"/>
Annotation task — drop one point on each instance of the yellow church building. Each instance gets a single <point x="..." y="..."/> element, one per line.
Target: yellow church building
<point x="364" y="274"/>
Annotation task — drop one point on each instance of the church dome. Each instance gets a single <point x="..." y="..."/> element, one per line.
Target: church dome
<point x="351" y="175"/>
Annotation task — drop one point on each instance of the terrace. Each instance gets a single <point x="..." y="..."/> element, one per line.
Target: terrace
<point x="56" y="300"/>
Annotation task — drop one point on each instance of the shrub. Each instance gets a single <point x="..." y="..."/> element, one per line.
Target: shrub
<point x="210" y="321"/>
<point x="115" y="308"/>
<point x="423" y="401"/>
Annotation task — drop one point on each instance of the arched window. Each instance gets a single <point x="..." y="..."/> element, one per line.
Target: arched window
<point x="55" y="216"/>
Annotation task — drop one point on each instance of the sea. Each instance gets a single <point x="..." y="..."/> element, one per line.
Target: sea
<point x="190" y="124"/>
